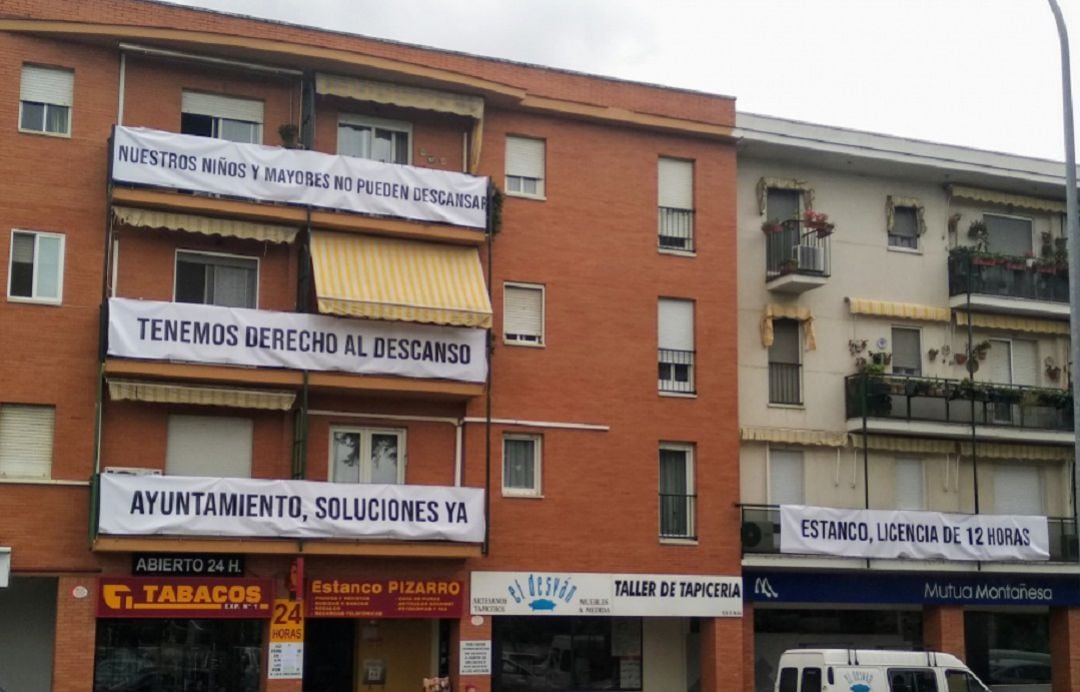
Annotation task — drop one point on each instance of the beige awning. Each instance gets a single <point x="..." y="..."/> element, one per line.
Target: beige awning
<point x="1007" y="200"/>
<point x="173" y="393"/>
<point x="790" y="312"/>
<point x="810" y="438"/>
<point x="1002" y="450"/>
<point x="206" y="225"/>
<point x="1010" y="323"/>
<point x="916" y="445"/>
<point x="907" y="311"/>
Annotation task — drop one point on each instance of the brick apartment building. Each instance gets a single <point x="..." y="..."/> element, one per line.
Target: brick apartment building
<point x="338" y="364"/>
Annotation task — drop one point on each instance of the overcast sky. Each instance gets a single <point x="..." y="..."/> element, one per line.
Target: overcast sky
<point x="979" y="73"/>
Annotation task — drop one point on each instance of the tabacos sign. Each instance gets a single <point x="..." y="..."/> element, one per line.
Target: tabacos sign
<point x="149" y="597"/>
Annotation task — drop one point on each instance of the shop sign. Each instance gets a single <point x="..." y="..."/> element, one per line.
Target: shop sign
<point x="586" y="593"/>
<point x="475" y="657"/>
<point x="185" y="565"/>
<point x="871" y="533"/>
<point x="247" y="507"/>
<point x="385" y="598"/>
<point x="865" y="587"/>
<point x="286" y="652"/>
<point x="273" y="174"/>
<point x="190" y="597"/>
<point x="158" y="330"/>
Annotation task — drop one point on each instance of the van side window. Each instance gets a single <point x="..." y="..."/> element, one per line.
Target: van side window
<point x="962" y="681"/>
<point x="918" y="680"/>
<point x="811" y="680"/>
<point x="789" y="680"/>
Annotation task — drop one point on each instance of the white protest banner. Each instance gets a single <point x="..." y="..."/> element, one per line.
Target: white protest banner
<point x="239" y="507"/>
<point x="205" y="164"/>
<point x="157" y="330"/>
<point x="870" y="533"/>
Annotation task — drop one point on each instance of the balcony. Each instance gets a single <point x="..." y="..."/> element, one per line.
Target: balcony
<point x="677" y="517"/>
<point x="1017" y="285"/>
<point x="894" y="404"/>
<point x="760" y="533"/>
<point x="798" y="257"/>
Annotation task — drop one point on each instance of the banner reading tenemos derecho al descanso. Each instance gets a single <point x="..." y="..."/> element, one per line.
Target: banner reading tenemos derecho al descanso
<point x="868" y="533"/>
<point x="239" y="507"/>
<point x="205" y="164"/>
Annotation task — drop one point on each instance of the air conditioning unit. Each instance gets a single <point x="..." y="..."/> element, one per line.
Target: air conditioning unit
<point x="757" y="534"/>
<point x="131" y="471"/>
<point x="809" y="257"/>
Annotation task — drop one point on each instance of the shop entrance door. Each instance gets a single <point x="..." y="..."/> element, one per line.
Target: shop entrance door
<point x="329" y="644"/>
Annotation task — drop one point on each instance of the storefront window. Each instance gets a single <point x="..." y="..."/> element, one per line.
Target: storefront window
<point x="566" y="653"/>
<point x="178" y="655"/>
<point x="1008" y="648"/>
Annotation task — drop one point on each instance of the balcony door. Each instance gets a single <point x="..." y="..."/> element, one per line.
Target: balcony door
<point x="1011" y="361"/>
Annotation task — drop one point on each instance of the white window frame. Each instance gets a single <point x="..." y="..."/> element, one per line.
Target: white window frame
<point x="397" y="126"/>
<point x="918" y="351"/>
<point x="513" y="334"/>
<point x="1032" y="246"/>
<point x="675" y="193"/>
<point x="913" y="461"/>
<point x="54" y="95"/>
<point x="1012" y="468"/>
<point x="222" y="255"/>
<point x="916" y="211"/>
<point x="34" y="298"/>
<point x="221" y="107"/>
<point x="536" y="490"/>
<point x="675" y="336"/>
<point x="771" y="462"/>
<point x="691" y="510"/>
<point x="799" y="362"/>
<point x="213" y="441"/>
<point x="15" y="441"/>
<point x="516" y="160"/>
<point x="364" y="451"/>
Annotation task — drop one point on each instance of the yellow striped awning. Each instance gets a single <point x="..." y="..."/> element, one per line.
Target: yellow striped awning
<point x="886" y="443"/>
<point x="907" y="311"/>
<point x="205" y="225"/>
<point x="774" y="311"/>
<point x="815" y="438"/>
<point x="1007" y="200"/>
<point x="1003" y="450"/>
<point x="1010" y="323"/>
<point x="172" y="393"/>
<point x="395" y="279"/>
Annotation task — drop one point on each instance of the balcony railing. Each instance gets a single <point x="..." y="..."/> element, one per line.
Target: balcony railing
<point x="1007" y="277"/>
<point x="676" y="371"/>
<point x="676" y="229"/>
<point x="677" y="516"/>
<point x="761" y="533"/>
<point x="950" y="401"/>
<point x="785" y="381"/>
<point x="792" y="247"/>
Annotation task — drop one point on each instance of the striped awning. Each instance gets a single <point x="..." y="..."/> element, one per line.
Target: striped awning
<point x="206" y="225"/>
<point x="1010" y="323"/>
<point x="1007" y="200"/>
<point x="394" y="279"/>
<point x="915" y="445"/>
<point x="1002" y="450"/>
<point x="907" y="311"/>
<point x="173" y="393"/>
<point x="813" y="438"/>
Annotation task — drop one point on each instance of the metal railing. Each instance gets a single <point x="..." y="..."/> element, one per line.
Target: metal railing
<point x="760" y="533"/>
<point x="949" y="401"/>
<point x="785" y="383"/>
<point x="1009" y="277"/>
<point x="793" y="248"/>
<point x="677" y="519"/>
<point x="676" y="229"/>
<point x="675" y="371"/>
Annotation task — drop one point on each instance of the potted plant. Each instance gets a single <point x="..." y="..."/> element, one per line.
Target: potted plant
<point x="818" y="222"/>
<point x="979" y="234"/>
<point x="772" y="226"/>
<point x="789" y="266"/>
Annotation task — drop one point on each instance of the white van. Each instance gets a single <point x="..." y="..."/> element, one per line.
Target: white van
<point x="873" y="670"/>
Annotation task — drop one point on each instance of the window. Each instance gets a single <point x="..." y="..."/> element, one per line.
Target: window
<point x="215" y="446"/>
<point x="785" y="477"/>
<point x="910" y="483"/>
<point x="785" y="376"/>
<point x="905" y="228"/>
<point x="1018" y="490"/>
<point x="962" y="681"/>
<point x="521" y="465"/>
<point x="907" y="352"/>
<point x="525" y="166"/>
<point x="922" y="680"/>
<point x="367" y="455"/>
<point x="26" y="441"/>
<point x="523" y="314"/>
<point x="789" y="680"/>
<point x="811" y="680"/>
<point x="676" y="342"/>
<point x="45" y="97"/>
<point x="374" y="138"/>
<point x="782" y="204"/>
<point x="37" y="267"/>
<point x="221" y="117"/>
<point x="225" y="280"/>
<point x="1008" y="235"/>
<point x="675" y="183"/>
<point x="1011" y="361"/>
<point x="677" y="491"/>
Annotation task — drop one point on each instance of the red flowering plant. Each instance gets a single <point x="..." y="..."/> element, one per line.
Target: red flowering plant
<point x="817" y="221"/>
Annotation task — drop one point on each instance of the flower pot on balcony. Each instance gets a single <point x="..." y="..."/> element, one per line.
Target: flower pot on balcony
<point x="983" y="261"/>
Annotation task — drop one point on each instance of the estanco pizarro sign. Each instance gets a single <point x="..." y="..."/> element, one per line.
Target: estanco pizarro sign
<point x="274" y="174"/>
<point x="384" y="598"/>
<point x="192" y="597"/>
<point x="154" y="330"/>
<point x="243" y="507"/>
<point x="874" y="533"/>
<point x="586" y="593"/>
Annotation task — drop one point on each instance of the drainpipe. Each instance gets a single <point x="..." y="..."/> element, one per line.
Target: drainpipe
<point x="971" y="377"/>
<point x="487" y="395"/>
